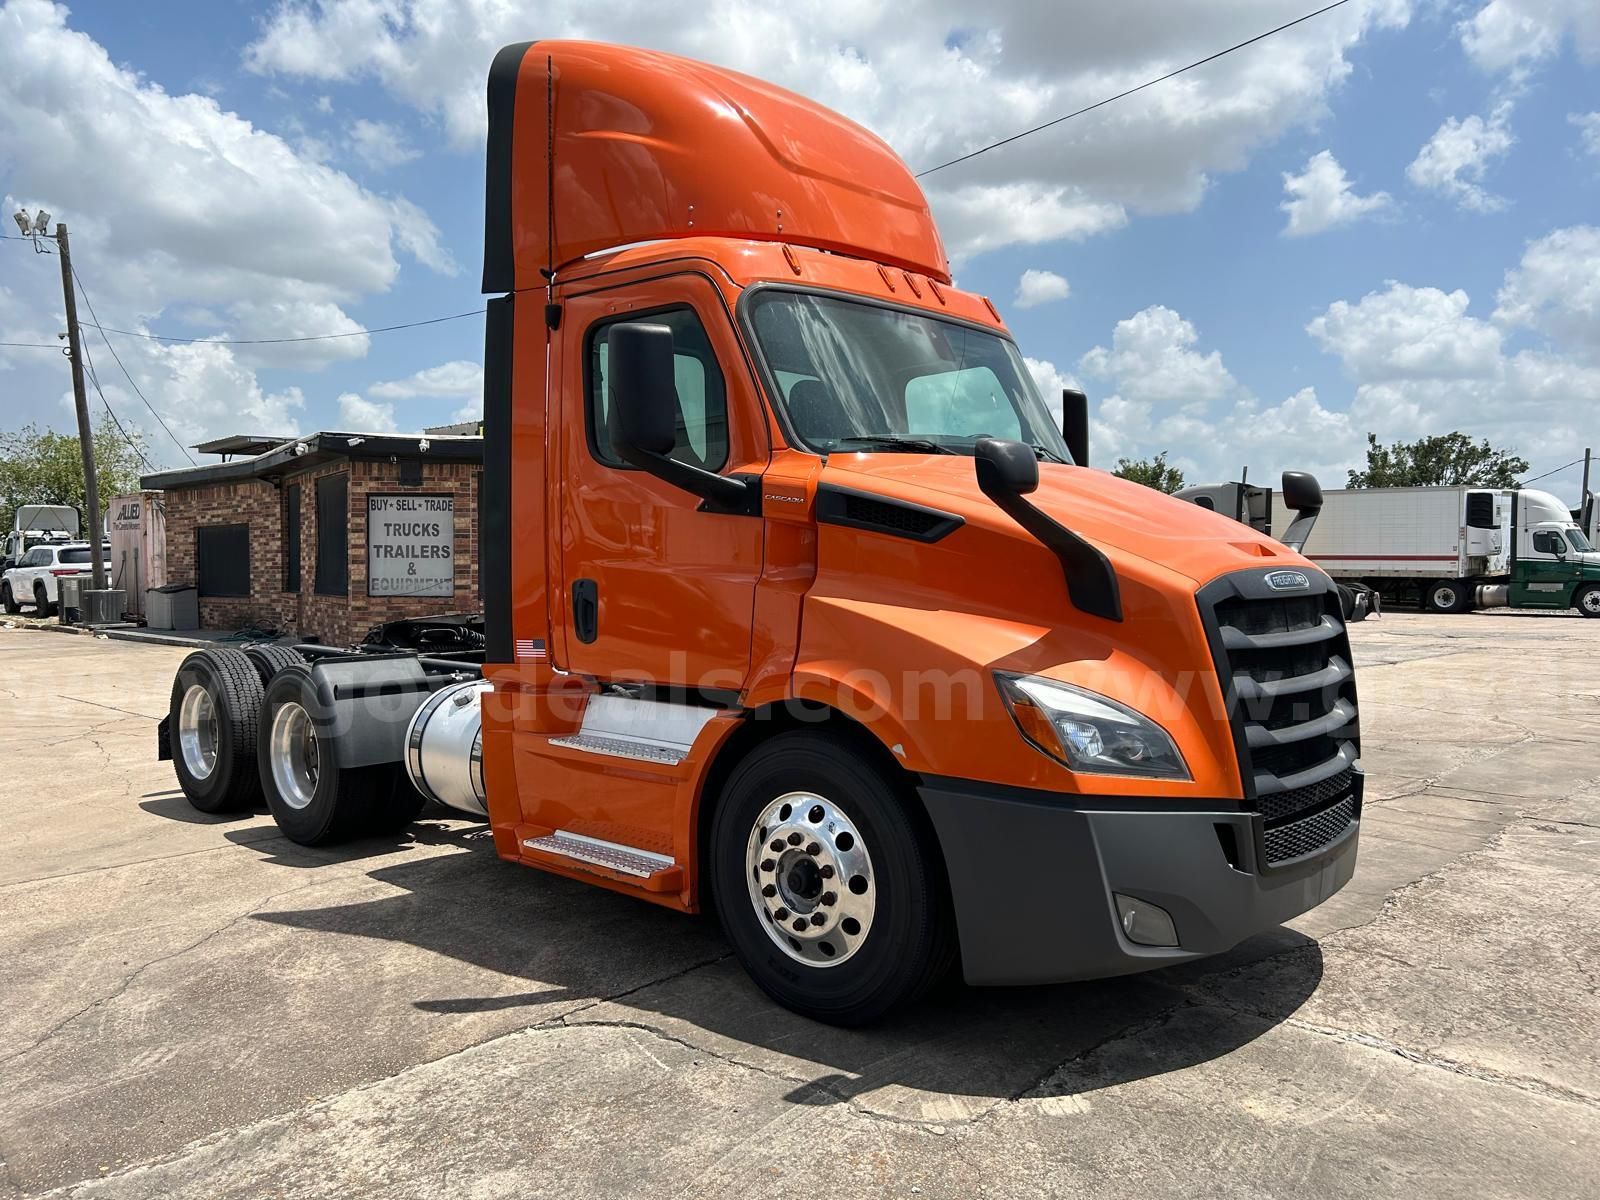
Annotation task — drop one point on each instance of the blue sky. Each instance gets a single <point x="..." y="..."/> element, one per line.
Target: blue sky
<point x="286" y="169"/>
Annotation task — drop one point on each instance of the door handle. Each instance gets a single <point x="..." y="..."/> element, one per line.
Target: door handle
<point x="586" y="610"/>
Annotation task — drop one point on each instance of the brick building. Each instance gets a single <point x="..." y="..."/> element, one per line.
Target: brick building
<point x="326" y="535"/>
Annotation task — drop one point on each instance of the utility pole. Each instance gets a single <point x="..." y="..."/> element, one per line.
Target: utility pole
<point x="1583" y="500"/>
<point x="91" y="477"/>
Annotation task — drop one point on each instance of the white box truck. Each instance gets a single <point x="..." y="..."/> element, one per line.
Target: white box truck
<point x="1452" y="549"/>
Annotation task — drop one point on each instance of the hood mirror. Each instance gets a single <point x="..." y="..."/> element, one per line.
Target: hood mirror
<point x="1075" y="424"/>
<point x="1302" y="494"/>
<point x="1008" y="471"/>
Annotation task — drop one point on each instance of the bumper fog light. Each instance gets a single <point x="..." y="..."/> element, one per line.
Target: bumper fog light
<point x="1145" y="923"/>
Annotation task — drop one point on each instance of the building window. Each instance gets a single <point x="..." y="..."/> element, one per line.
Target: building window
<point x="291" y="538"/>
<point x="222" y="560"/>
<point x="333" y="535"/>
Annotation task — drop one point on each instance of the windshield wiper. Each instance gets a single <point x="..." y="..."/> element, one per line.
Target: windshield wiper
<point x="890" y="441"/>
<point x="1046" y="453"/>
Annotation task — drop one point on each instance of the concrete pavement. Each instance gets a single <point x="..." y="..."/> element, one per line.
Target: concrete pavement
<point x="196" y="1007"/>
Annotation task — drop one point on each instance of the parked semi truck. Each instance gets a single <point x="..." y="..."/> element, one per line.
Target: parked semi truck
<point x="34" y="524"/>
<point x="1450" y="549"/>
<point x="795" y="610"/>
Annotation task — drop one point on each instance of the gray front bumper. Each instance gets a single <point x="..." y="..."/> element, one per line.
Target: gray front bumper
<point x="1032" y="874"/>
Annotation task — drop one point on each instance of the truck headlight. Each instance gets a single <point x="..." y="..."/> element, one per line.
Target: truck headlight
<point x="1088" y="732"/>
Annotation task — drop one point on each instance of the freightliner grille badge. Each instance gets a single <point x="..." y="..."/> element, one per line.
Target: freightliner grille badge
<point x="1287" y="581"/>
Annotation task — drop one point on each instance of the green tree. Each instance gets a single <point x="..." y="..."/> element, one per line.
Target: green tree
<point x="1447" y="459"/>
<point x="44" y="467"/>
<point x="1152" y="472"/>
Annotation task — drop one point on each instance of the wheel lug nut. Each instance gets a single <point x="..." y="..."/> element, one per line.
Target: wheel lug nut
<point x="799" y="924"/>
<point x="782" y="914"/>
<point x="795" y="839"/>
<point x="769" y="891"/>
<point x="826" y="871"/>
<point x="777" y="845"/>
<point x="818" y="919"/>
<point x="768" y="865"/>
<point x="813" y="849"/>
<point x="830" y="898"/>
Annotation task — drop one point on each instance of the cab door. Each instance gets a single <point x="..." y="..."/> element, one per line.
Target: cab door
<point x="654" y="588"/>
<point x="1547" y="570"/>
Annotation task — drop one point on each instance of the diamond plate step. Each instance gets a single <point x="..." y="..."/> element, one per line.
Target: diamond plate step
<point x="617" y="747"/>
<point x="629" y="860"/>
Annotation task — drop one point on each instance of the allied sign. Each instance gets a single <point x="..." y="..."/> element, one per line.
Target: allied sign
<point x="411" y="545"/>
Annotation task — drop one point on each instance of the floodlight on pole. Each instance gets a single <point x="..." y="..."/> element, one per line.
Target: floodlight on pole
<point x="21" y="218"/>
<point x="41" y="223"/>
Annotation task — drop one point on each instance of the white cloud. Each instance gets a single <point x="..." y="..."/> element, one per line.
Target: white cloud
<point x="1455" y="159"/>
<point x="381" y="145"/>
<point x="1321" y="198"/>
<point x="458" y="378"/>
<point x="1015" y="64"/>
<point x="1408" y="333"/>
<point x="1588" y="131"/>
<point x="1040" y="287"/>
<point x="1151" y="360"/>
<point x="178" y="206"/>
<point x="357" y="415"/>
<point x="1424" y="365"/>
<point x="1556" y="289"/>
<point x="324" y="104"/>
<point x="1513" y="35"/>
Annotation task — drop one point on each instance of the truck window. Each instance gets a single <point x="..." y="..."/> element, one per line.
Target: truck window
<point x="968" y="402"/>
<point x="1579" y="542"/>
<point x="852" y="370"/>
<point x="702" y="416"/>
<point x="1547" y="541"/>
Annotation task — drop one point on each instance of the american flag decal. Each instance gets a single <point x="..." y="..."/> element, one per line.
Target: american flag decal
<point x="530" y="650"/>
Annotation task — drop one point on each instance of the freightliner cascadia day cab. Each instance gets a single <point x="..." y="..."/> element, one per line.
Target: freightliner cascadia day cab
<point x="794" y="608"/>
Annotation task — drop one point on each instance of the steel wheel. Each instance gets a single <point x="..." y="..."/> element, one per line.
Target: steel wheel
<point x="293" y="750"/>
<point x="197" y="732"/>
<point x="810" y="879"/>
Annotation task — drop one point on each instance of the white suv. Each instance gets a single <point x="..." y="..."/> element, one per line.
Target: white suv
<point x="34" y="579"/>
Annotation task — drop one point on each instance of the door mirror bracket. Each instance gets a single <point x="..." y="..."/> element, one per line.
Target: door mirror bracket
<point x="640" y="378"/>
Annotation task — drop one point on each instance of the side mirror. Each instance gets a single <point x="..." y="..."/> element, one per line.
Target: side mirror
<point x="1004" y="466"/>
<point x="1302" y="495"/>
<point x="1302" y="492"/>
<point x="1075" y="424"/>
<point x="639" y="376"/>
<point x="1008" y="471"/>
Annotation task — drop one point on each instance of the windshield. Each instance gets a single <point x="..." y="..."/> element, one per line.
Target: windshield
<point x="863" y="376"/>
<point x="1579" y="542"/>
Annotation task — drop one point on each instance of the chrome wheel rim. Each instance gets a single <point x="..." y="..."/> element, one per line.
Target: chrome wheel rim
<point x="294" y="755"/>
<point x="1591" y="601"/>
<point x="810" y="879"/>
<point x="197" y="732"/>
<point x="1444" y="598"/>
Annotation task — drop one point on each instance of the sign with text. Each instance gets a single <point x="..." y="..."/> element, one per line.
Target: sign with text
<point x="411" y="545"/>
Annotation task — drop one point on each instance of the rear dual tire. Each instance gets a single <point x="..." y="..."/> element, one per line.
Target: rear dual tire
<point x="1449" y="596"/>
<point x="212" y="718"/>
<point x="313" y="799"/>
<point x="828" y="882"/>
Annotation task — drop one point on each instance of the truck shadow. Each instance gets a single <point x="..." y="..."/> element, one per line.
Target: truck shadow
<point x="578" y="954"/>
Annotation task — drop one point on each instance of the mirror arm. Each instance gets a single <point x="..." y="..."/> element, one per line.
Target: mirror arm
<point x="1091" y="580"/>
<point x="718" y="491"/>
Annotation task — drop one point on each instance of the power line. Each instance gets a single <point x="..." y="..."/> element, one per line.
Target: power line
<point x="1122" y="95"/>
<point x="30" y="345"/>
<point x="110" y="412"/>
<point x="319" y="337"/>
<point x="1575" y="462"/>
<point x="125" y="373"/>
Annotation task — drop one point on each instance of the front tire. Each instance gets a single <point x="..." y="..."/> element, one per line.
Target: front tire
<point x="1448" y="596"/>
<point x="1587" y="601"/>
<point x="8" y="600"/>
<point x="314" y="800"/>
<point x="216" y="702"/>
<point x="829" y="887"/>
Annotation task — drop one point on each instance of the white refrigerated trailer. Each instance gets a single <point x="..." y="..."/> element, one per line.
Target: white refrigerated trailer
<point x="1452" y="549"/>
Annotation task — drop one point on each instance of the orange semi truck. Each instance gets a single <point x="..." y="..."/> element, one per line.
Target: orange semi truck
<point x="798" y="606"/>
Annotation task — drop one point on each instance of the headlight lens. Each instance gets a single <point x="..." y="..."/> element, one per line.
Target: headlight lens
<point x="1088" y="732"/>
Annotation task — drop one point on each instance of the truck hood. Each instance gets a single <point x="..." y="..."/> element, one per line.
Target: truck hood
<point x="1125" y="520"/>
